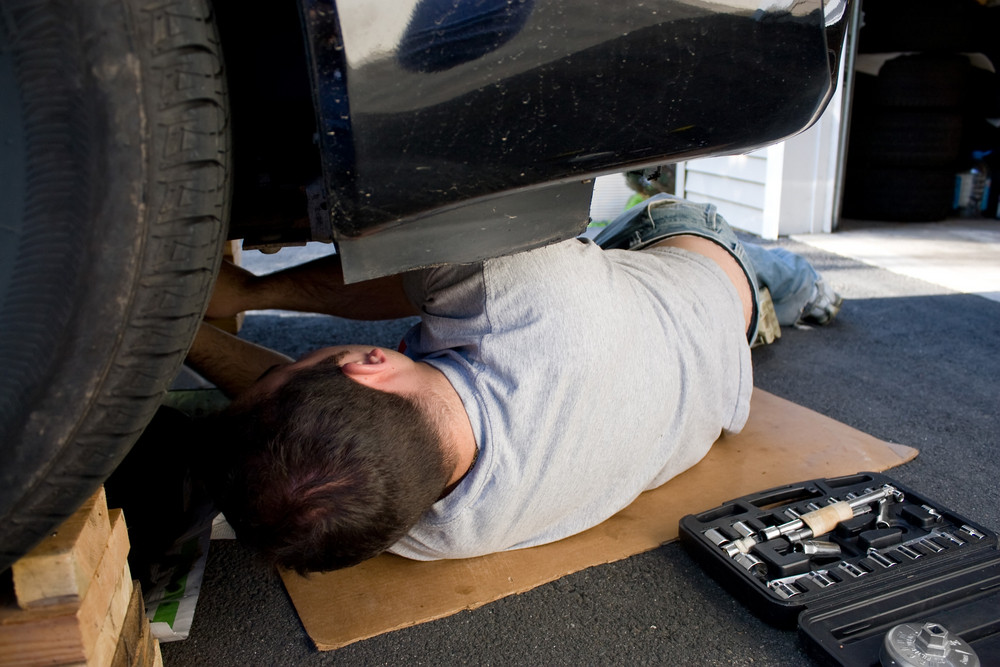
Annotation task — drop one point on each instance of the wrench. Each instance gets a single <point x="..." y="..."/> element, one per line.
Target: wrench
<point x="822" y="521"/>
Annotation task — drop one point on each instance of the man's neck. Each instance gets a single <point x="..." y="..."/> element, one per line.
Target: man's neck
<point x="452" y="421"/>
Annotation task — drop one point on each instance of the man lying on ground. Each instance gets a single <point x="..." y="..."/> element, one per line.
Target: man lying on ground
<point x="539" y="394"/>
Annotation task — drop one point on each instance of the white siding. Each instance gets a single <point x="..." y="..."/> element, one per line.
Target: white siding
<point x="610" y="196"/>
<point x="736" y="184"/>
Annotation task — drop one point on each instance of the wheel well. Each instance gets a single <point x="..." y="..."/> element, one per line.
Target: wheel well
<point x="275" y="154"/>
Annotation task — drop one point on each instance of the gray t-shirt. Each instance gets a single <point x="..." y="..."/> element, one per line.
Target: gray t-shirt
<point x="589" y="376"/>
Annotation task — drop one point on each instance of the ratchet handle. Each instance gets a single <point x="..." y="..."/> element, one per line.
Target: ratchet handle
<point x="825" y="519"/>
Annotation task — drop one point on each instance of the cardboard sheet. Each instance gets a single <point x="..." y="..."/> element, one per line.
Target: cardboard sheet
<point x="782" y="443"/>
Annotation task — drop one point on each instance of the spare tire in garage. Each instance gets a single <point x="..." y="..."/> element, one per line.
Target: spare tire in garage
<point x="925" y="80"/>
<point x="898" y="194"/>
<point x="906" y="139"/>
<point x="114" y="123"/>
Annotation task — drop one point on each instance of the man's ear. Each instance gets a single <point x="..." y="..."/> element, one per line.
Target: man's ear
<point x="354" y="369"/>
<point x="375" y="363"/>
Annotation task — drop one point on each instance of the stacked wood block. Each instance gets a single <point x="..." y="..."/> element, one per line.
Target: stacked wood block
<point x="231" y="252"/>
<point x="76" y="602"/>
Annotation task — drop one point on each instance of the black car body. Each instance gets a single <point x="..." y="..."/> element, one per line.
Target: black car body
<point x="449" y="131"/>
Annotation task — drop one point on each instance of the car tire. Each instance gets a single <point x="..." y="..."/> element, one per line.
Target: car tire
<point x="905" y="137"/>
<point x="114" y="121"/>
<point x="898" y="194"/>
<point x="925" y="81"/>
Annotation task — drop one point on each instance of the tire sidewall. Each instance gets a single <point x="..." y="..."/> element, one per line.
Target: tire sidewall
<point x="139" y="280"/>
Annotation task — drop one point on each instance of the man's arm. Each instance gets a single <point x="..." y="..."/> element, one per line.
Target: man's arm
<point x="315" y="287"/>
<point x="231" y="363"/>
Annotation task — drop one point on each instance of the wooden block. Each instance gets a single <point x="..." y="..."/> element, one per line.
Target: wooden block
<point x="68" y="633"/>
<point x="59" y="569"/>
<point x="228" y="324"/>
<point x="157" y="656"/>
<point x="145" y="651"/>
<point x="131" y="632"/>
<point x="232" y="252"/>
<point x="104" y="647"/>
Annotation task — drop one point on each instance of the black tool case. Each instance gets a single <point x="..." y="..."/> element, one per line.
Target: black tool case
<point x="905" y="560"/>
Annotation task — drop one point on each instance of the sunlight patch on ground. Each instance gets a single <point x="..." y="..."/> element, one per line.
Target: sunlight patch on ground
<point x="963" y="256"/>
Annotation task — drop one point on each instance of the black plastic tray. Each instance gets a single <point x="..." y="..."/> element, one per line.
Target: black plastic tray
<point x="920" y="563"/>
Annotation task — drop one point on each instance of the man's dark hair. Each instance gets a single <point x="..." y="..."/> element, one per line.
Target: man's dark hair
<point x="324" y="472"/>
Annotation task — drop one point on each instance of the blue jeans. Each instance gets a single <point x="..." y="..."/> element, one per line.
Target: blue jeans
<point x="663" y="216"/>
<point x="790" y="279"/>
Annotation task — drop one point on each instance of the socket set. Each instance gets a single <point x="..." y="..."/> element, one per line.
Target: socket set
<point x="859" y="563"/>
